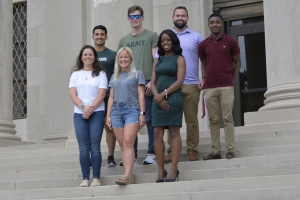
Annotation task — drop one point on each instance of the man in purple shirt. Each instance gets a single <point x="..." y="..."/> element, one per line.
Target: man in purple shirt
<point x="189" y="41"/>
<point x="220" y="59"/>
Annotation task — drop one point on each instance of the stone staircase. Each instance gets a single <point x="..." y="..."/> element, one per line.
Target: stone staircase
<point x="267" y="167"/>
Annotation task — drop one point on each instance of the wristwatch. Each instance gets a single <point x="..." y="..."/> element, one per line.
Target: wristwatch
<point x="81" y="107"/>
<point x="142" y="113"/>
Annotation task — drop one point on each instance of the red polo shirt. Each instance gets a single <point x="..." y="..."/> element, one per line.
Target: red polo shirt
<point x="219" y="60"/>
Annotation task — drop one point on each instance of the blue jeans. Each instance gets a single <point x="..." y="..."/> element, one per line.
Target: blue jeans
<point x="149" y="100"/>
<point x="89" y="134"/>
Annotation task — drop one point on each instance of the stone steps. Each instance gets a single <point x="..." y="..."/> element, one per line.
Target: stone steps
<point x="248" y="155"/>
<point x="138" y="191"/>
<point x="273" y="152"/>
<point x="267" y="167"/>
<point x="55" y="148"/>
<point x="72" y="178"/>
<point x="283" y="193"/>
<point x="250" y="147"/>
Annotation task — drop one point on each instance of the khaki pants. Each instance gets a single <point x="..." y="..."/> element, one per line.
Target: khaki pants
<point x="191" y="97"/>
<point x="214" y="97"/>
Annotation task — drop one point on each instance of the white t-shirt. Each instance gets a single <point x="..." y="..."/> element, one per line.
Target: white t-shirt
<point x="88" y="87"/>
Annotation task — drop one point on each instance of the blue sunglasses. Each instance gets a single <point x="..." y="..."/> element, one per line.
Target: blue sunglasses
<point x="131" y="17"/>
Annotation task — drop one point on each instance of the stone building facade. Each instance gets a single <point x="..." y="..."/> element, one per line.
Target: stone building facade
<point x="57" y="29"/>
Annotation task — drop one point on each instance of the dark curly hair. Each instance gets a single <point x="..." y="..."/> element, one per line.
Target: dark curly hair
<point x="96" y="64"/>
<point x="175" y="43"/>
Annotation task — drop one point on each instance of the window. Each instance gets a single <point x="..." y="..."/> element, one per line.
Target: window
<point x="20" y="61"/>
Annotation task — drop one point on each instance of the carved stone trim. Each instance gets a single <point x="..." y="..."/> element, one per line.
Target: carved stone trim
<point x="7" y="130"/>
<point x="283" y="96"/>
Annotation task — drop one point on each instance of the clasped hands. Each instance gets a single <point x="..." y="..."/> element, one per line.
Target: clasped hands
<point x="163" y="103"/>
<point x="87" y="111"/>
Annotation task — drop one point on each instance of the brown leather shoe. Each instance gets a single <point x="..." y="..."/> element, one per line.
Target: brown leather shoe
<point x="212" y="156"/>
<point x="230" y="155"/>
<point x="193" y="156"/>
<point x="168" y="159"/>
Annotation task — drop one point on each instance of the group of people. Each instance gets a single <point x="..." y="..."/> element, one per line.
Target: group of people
<point x="152" y="79"/>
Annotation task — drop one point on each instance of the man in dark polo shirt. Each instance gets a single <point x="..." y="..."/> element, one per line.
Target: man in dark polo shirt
<point x="106" y="58"/>
<point x="220" y="59"/>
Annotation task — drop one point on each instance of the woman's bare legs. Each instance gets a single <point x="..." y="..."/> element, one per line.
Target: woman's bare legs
<point x="159" y="147"/>
<point x="176" y="149"/>
<point x="126" y="138"/>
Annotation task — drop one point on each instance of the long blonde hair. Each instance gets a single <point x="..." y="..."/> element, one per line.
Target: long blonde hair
<point x="117" y="68"/>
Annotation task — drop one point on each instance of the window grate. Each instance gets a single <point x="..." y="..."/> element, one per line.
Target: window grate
<point x="20" y="61"/>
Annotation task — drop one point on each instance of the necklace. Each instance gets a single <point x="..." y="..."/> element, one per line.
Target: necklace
<point x="86" y="74"/>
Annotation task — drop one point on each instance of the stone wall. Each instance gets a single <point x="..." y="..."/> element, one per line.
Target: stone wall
<point x="56" y="32"/>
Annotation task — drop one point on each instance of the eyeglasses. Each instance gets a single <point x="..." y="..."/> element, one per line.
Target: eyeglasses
<point x="131" y="17"/>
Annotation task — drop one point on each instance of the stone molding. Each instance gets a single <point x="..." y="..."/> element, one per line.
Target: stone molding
<point x="7" y="130"/>
<point x="282" y="96"/>
<point x="56" y="138"/>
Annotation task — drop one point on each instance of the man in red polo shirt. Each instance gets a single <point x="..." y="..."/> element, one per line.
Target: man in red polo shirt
<point x="220" y="59"/>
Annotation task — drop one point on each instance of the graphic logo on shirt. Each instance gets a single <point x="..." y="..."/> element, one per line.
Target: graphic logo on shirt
<point x="136" y="43"/>
<point x="224" y="47"/>
<point x="102" y="59"/>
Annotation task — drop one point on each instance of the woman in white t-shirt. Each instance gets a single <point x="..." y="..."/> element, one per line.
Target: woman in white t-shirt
<point x="88" y="84"/>
<point x="126" y="108"/>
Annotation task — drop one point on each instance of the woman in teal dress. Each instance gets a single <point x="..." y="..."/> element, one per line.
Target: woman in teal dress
<point x="167" y="108"/>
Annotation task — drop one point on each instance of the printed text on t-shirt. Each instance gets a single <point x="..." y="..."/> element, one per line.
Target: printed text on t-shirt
<point x="102" y="59"/>
<point x="136" y="43"/>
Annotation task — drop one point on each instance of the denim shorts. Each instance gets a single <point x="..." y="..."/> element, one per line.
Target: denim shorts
<point x="123" y="114"/>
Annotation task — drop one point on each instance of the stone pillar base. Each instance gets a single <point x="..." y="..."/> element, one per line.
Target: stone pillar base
<point x="289" y="118"/>
<point x="7" y="130"/>
<point x="282" y="96"/>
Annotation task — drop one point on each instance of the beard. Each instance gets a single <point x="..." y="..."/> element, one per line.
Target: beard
<point x="181" y="25"/>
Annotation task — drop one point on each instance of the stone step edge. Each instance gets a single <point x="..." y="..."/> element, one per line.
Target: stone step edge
<point x="183" y="154"/>
<point x="153" y="174"/>
<point x="265" y="182"/>
<point x="218" y="195"/>
<point x="184" y="145"/>
<point x="63" y="143"/>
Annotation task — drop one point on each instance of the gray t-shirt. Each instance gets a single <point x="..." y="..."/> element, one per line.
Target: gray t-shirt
<point x="126" y="89"/>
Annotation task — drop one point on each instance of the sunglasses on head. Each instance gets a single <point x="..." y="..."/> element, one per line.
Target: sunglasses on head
<point x="131" y="17"/>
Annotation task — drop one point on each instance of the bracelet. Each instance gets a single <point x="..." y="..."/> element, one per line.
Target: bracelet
<point x="166" y="93"/>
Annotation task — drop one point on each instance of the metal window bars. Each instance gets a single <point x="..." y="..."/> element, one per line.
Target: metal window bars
<point x="20" y="60"/>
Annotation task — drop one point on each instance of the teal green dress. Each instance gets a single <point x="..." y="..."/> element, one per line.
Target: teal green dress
<point x="166" y="74"/>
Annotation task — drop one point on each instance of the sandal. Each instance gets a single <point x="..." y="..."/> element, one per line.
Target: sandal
<point x="125" y="180"/>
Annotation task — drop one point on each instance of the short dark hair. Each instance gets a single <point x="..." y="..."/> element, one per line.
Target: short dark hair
<point x="175" y="43"/>
<point x="215" y="15"/>
<point x="100" y="27"/>
<point x="134" y="8"/>
<point x="179" y="8"/>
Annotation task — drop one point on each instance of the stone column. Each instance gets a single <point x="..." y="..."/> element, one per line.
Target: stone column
<point x="282" y="104"/>
<point x="6" y="78"/>
<point x="64" y="35"/>
<point x="282" y="54"/>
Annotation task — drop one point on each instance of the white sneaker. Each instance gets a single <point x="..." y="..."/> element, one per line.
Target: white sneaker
<point x="85" y="183"/>
<point x="150" y="159"/>
<point x="95" y="182"/>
